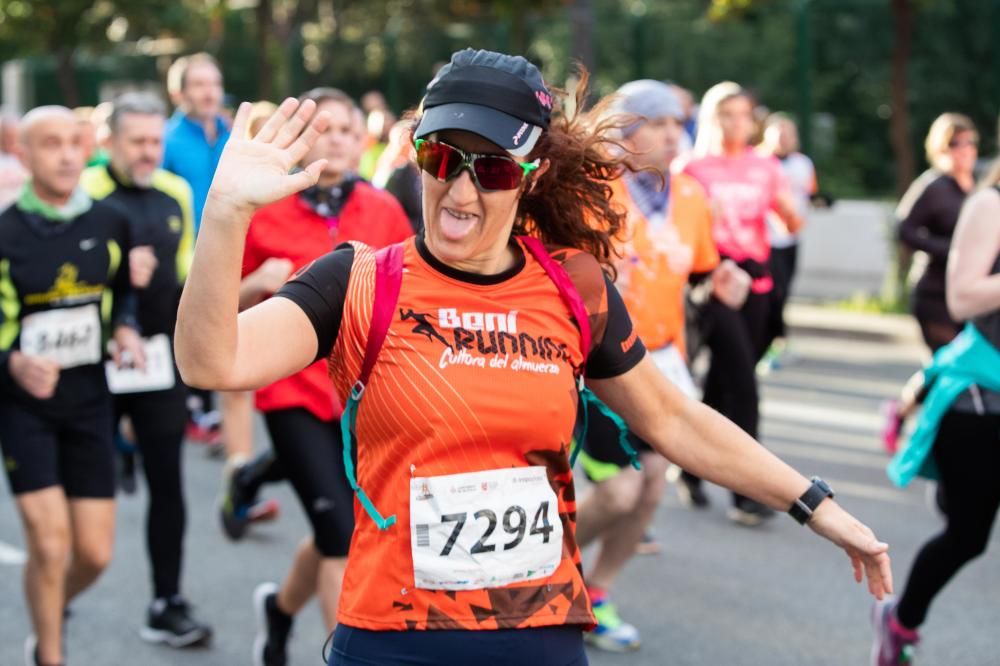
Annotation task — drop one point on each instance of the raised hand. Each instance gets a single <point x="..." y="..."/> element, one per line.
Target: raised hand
<point x="255" y="172"/>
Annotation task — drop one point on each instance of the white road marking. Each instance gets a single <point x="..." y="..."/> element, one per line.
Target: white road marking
<point x="11" y="556"/>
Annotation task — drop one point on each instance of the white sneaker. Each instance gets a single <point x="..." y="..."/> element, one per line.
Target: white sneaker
<point x="30" y="650"/>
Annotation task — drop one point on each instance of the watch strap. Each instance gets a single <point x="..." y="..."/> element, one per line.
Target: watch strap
<point x="802" y="509"/>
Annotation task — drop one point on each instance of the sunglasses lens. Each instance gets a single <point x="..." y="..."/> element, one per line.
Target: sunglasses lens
<point x="444" y="163"/>
<point x="497" y="173"/>
<point x="439" y="160"/>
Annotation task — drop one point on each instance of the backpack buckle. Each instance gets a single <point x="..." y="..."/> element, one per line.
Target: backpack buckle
<point x="357" y="390"/>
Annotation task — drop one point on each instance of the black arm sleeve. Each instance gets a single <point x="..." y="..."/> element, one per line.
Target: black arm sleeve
<point x="917" y="230"/>
<point x="320" y="289"/>
<point x="615" y="355"/>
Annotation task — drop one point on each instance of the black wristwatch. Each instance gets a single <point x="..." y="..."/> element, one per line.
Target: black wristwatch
<point x="803" y="508"/>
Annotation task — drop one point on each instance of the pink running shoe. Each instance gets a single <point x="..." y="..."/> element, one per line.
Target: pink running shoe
<point x="893" y="644"/>
<point x="893" y="424"/>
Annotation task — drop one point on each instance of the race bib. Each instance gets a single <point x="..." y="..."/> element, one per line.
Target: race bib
<point x="158" y="375"/>
<point x="674" y="367"/>
<point x="484" y="529"/>
<point x="69" y="336"/>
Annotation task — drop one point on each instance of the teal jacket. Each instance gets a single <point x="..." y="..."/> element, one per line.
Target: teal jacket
<point x="969" y="359"/>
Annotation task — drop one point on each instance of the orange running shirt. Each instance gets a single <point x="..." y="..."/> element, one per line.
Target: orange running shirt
<point x="652" y="290"/>
<point x="473" y="376"/>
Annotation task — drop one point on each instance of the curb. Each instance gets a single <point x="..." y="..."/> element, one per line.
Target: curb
<point x="833" y="321"/>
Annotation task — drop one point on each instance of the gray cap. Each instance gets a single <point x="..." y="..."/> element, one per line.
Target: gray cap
<point x="648" y="98"/>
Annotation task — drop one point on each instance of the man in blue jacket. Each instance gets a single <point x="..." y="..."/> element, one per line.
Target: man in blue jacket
<point x="193" y="143"/>
<point x="197" y="133"/>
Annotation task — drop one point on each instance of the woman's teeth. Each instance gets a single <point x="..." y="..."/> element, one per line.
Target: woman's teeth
<point x="458" y="215"/>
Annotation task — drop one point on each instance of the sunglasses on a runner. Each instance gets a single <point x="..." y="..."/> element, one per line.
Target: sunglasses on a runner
<point x="490" y="173"/>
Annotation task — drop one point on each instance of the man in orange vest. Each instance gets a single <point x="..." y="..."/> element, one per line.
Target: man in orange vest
<point x="667" y="245"/>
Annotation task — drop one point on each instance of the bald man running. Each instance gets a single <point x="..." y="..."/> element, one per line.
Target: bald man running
<point x="60" y="254"/>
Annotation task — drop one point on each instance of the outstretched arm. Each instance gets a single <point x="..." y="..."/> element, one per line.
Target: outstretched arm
<point x="710" y="446"/>
<point x="216" y="347"/>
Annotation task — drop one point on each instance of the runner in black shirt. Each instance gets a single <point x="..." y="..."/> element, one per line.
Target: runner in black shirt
<point x="158" y="206"/>
<point x="928" y="214"/>
<point x="63" y="292"/>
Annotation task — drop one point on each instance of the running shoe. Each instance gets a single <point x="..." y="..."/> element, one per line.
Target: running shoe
<point x="749" y="513"/>
<point x="207" y="435"/>
<point x="169" y="621"/>
<point x="273" y="628"/>
<point x="648" y="545"/>
<point x="690" y="492"/>
<point x="893" y="644"/>
<point x="125" y="461"/>
<point x="893" y="426"/>
<point x="770" y="362"/>
<point x="234" y="508"/>
<point x="31" y="650"/>
<point x="205" y="428"/>
<point x="239" y="506"/>
<point x="125" y="466"/>
<point x="612" y="633"/>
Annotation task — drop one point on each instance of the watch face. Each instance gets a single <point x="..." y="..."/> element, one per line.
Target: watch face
<point x="823" y="485"/>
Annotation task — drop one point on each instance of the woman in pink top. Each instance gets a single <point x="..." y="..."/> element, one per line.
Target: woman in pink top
<point x="742" y="187"/>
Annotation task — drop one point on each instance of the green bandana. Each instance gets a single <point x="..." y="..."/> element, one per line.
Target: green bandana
<point x="78" y="204"/>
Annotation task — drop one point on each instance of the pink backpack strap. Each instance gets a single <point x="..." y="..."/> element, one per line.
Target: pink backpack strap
<point x="571" y="296"/>
<point x="388" y="278"/>
<point x="568" y="291"/>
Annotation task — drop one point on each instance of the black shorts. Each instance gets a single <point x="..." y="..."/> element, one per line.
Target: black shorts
<point x="311" y="453"/>
<point x="72" y="447"/>
<point x="602" y="454"/>
<point x="536" y="646"/>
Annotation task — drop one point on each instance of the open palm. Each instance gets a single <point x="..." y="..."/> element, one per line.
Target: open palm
<point x="254" y="172"/>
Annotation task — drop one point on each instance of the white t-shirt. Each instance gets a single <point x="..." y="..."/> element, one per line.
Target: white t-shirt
<point x="801" y="175"/>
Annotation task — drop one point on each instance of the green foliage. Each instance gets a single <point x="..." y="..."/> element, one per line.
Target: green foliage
<point x="395" y="45"/>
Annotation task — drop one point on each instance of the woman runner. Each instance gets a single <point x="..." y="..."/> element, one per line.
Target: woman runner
<point x="463" y="549"/>
<point x="957" y="438"/>
<point x="742" y="187"/>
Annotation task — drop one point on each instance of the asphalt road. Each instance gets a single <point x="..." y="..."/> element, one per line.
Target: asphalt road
<point x="718" y="594"/>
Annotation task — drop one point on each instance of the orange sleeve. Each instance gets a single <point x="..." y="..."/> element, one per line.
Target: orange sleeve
<point x="706" y="256"/>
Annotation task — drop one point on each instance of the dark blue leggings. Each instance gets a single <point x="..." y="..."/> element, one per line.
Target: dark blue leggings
<point x="544" y="646"/>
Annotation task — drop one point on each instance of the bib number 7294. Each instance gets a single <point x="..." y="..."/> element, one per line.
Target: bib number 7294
<point x="484" y="529"/>
<point x="515" y="523"/>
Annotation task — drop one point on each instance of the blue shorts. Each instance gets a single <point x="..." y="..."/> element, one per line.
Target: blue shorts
<point x="542" y="646"/>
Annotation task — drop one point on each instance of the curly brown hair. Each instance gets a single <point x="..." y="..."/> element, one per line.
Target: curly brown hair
<point x="571" y="205"/>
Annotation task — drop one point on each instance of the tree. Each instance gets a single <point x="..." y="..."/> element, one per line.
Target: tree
<point x="64" y="28"/>
<point x="899" y="122"/>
